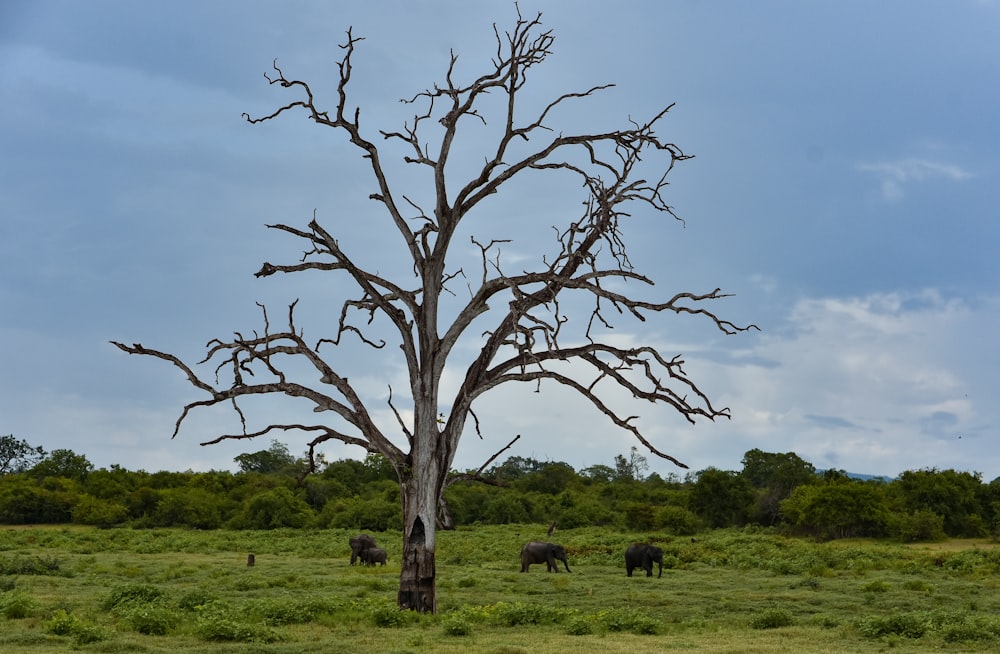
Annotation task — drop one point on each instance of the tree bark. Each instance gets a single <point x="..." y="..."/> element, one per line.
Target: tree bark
<point x="421" y="489"/>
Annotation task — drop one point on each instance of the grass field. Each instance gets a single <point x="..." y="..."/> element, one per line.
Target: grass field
<point x="121" y="590"/>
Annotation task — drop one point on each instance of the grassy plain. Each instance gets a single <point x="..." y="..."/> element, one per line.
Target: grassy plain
<point x="158" y="591"/>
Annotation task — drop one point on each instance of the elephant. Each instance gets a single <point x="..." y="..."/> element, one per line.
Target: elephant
<point x="359" y="543"/>
<point x="547" y="553"/>
<point x="372" y="555"/>
<point x="642" y="555"/>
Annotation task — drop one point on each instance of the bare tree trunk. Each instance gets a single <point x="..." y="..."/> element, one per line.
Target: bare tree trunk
<point x="420" y="493"/>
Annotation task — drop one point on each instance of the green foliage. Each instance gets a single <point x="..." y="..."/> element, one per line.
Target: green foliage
<point x="151" y="619"/>
<point x="81" y="631"/>
<point x="63" y="463"/>
<point x="31" y="565"/>
<point x="907" y="625"/>
<point x="876" y="586"/>
<point x="219" y="622"/>
<point x="16" y="605"/>
<point x="273" y="509"/>
<point x="840" y="509"/>
<point x="274" y="459"/>
<point x="90" y="510"/>
<point x="18" y="455"/>
<point x="131" y="594"/>
<point x="189" y="507"/>
<point x="455" y="626"/>
<point x="772" y="619"/>
<point x="287" y="609"/>
<point x="721" y="498"/>
<point x="925" y="505"/>
<point x="776" y="475"/>
<point x="388" y="614"/>
<point x="627" y="620"/>
<point x="921" y="525"/>
<point x="23" y="501"/>
<point x="950" y="494"/>
<point x="376" y="514"/>
<point x="677" y="520"/>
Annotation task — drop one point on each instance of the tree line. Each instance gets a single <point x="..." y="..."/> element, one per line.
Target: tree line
<point x="271" y="490"/>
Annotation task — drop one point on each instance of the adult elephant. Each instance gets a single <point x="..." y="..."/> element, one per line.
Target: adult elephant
<point x="643" y="555"/>
<point x="547" y="553"/>
<point x="359" y="543"/>
<point x="372" y="556"/>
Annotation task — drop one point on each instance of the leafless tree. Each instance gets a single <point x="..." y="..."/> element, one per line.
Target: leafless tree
<point x="527" y="314"/>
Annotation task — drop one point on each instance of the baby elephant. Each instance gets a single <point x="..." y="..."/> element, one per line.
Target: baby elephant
<point x="372" y="555"/>
<point x="360" y="542"/>
<point x="547" y="553"/>
<point x="641" y="555"/>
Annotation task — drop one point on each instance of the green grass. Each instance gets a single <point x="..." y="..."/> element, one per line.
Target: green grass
<point x="160" y="591"/>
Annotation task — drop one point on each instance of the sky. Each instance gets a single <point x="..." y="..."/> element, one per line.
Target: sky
<point x="845" y="189"/>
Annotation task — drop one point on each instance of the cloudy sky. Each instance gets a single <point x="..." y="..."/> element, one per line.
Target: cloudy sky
<point x="845" y="188"/>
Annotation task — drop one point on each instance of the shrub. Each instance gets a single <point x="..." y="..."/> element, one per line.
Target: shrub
<point x="31" y="565"/>
<point x="628" y="620"/>
<point x="217" y="623"/>
<point x="908" y="625"/>
<point x="772" y="619"/>
<point x="579" y="626"/>
<point x="16" y="605"/>
<point x="275" y="612"/>
<point x="99" y="513"/>
<point x="971" y="630"/>
<point x="520" y="613"/>
<point x="129" y="594"/>
<point x="455" y="626"/>
<point x="195" y="599"/>
<point x="388" y="615"/>
<point x="876" y="586"/>
<point x="273" y="509"/>
<point x="678" y="520"/>
<point x="920" y="525"/>
<point x="66" y="624"/>
<point x="153" y="620"/>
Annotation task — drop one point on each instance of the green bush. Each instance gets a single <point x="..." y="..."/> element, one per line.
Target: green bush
<point x="286" y="610"/>
<point x="916" y="526"/>
<point x="151" y="620"/>
<point x="579" y="626"/>
<point x="82" y="632"/>
<point x="772" y="619"/>
<point x="876" y="586"/>
<point x="628" y="620"/>
<point x="455" y="626"/>
<point x="220" y="623"/>
<point x="513" y="614"/>
<point x="273" y="509"/>
<point x="907" y="625"/>
<point x="195" y="599"/>
<point x="17" y="604"/>
<point x="131" y="594"/>
<point x="678" y="520"/>
<point x="98" y="513"/>
<point x="31" y="565"/>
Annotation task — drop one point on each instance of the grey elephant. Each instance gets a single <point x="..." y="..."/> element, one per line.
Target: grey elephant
<point x="359" y="543"/>
<point x="547" y="553"/>
<point x="642" y="555"/>
<point x="372" y="555"/>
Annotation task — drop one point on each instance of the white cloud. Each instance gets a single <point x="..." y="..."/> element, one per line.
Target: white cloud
<point x="896" y="175"/>
<point x="874" y="384"/>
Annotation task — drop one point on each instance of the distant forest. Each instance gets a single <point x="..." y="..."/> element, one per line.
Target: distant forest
<point x="271" y="490"/>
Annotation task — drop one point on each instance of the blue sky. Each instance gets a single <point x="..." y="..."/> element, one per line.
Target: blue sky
<point x="844" y="189"/>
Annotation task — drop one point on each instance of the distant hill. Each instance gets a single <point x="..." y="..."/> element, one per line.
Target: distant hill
<point x="860" y="476"/>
